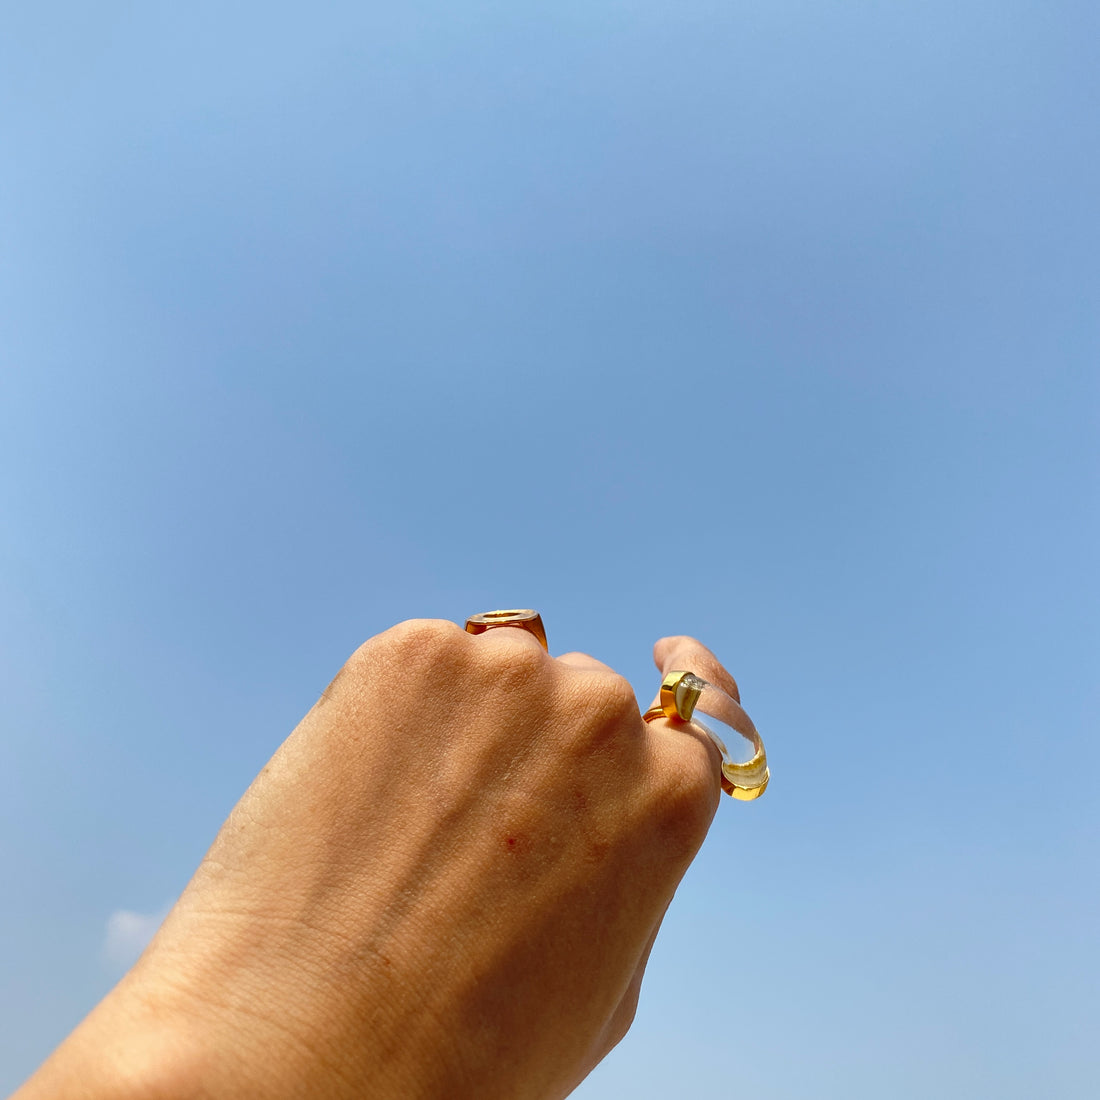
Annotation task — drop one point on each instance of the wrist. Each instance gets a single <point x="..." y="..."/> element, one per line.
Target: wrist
<point x="124" y="1049"/>
<point x="154" y="1037"/>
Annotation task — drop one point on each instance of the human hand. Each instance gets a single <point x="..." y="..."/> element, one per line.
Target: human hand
<point x="445" y="883"/>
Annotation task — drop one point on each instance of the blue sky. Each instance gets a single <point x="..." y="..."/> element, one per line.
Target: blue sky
<point x="772" y="323"/>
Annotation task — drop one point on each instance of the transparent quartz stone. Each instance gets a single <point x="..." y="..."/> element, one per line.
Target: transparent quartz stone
<point x="708" y="708"/>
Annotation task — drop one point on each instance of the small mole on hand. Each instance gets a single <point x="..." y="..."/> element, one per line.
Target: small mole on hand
<point x="511" y="841"/>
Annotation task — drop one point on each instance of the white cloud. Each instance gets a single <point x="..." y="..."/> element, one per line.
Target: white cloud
<point x="127" y="935"/>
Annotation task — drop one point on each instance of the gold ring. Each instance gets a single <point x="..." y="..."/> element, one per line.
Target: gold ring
<point x="684" y="697"/>
<point x="524" y="618"/>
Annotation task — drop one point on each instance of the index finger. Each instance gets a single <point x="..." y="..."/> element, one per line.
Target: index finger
<point x="680" y="653"/>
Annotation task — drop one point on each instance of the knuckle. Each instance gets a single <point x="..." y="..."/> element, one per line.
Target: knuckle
<point x="510" y="660"/>
<point x="608" y="697"/>
<point x="414" y="642"/>
<point x="421" y="634"/>
<point x="604" y="709"/>
<point x="421" y="642"/>
<point x="619" y="696"/>
<point x="512" y="646"/>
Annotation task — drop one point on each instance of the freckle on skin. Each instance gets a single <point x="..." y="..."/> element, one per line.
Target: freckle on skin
<point x="510" y="841"/>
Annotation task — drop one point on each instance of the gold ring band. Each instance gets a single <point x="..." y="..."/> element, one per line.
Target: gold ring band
<point x="524" y="618"/>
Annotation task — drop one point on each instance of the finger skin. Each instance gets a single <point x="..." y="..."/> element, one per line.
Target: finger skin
<point x="583" y="660"/>
<point x="680" y="653"/>
<point x="445" y="882"/>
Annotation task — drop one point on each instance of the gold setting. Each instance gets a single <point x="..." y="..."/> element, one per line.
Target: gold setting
<point x="523" y="617"/>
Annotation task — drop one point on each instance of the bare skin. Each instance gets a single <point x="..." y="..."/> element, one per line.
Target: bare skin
<point x="445" y="883"/>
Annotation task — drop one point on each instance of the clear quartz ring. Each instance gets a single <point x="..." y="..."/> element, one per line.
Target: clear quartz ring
<point x="689" y="698"/>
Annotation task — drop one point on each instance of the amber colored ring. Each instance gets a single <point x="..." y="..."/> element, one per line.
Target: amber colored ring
<point x="680" y="692"/>
<point x="524" y="618"/>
